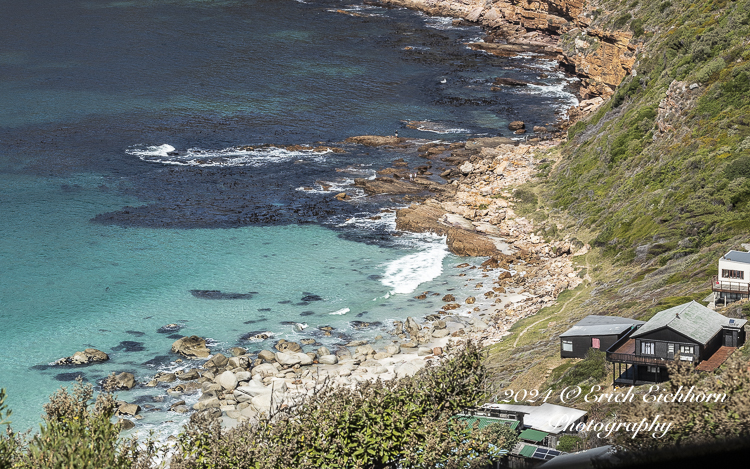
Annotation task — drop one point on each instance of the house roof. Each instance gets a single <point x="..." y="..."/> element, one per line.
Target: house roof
<point x="738" y="256"/>
<point x="527" y="451"/>
<point x="692" y="320"/>
<point x="601" y="325"/>
<point x="532" y="435"/>
<point x="547" y="417"/>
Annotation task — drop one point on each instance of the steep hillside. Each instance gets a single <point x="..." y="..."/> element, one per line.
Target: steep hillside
<point x="663" y="168"/>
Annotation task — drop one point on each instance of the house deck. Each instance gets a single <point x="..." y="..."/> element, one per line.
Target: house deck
<point x="625" y="353"/>
<point x="715" y="360"/>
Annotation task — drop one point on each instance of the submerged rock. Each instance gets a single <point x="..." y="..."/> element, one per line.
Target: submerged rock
<point x="219" y="295"/>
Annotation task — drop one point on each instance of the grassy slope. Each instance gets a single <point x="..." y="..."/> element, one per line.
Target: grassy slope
<point x="683" y="195"/>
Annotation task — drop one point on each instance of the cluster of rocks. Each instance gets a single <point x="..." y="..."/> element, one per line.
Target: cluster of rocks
<point x="243" y="386"/>
<point x="478" y="220"/>
<point x="90" y="355"/>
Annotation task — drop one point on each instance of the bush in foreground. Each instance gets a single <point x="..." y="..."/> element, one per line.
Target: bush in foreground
<point x="406" y="423"/>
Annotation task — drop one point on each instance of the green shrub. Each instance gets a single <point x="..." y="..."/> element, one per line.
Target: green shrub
<point x="622" y="20"/>
<point x="593" y="367"/>
<point x="77" y="435"/>
<point x="637" y="27"/>
<point x="569" y="444"/>
<point x="407" y="423"/>
<point x="8" y="446"/>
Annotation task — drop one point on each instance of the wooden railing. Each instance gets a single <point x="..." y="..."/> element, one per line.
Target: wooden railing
<point x="730" y="287"/>
<point x="633" y="358"/>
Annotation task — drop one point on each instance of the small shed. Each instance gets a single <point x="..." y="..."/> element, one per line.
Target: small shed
<point x="598" y="332"/>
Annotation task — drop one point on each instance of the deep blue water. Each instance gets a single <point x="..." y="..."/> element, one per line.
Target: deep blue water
<point x="104" y="234"/>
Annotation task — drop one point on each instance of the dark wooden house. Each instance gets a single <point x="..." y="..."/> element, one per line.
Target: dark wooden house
<point x="689" y="332"/>
<point x="598" y="332"/>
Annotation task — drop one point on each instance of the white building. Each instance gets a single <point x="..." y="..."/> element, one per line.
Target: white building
<point x="733" y="281"/>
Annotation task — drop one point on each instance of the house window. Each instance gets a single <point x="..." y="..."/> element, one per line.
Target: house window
<point x="686" y="349"/>
<point x="567" y="345"/>
<point x="595" y="343"/>
<point x="652" y="369"/>
<point x="670" y="348"/>
<point x="647" y="348"/>
<point x="736" y="274"/>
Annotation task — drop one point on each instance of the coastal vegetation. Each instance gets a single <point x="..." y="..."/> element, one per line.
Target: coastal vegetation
<point x="408" y="423"/>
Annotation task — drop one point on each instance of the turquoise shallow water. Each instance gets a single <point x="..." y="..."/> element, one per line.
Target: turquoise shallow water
<point x="75" y="284"/>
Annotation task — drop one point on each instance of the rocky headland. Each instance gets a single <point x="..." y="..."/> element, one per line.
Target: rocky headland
<point x="554" y="28"/>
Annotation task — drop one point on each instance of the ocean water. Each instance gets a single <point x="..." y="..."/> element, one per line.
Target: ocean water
<point x="124" y="190"/>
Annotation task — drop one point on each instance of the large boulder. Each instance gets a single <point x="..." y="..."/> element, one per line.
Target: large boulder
<point x="328" y="360"/>
<point x="267" y="355"/>
<point x="470" y="243"/>
<point x="364" y="350"/>
<point x="124" y="381"/>
<point x="191" y="347"/>
<point x="127" y="409"/>
<point x="264" y="370"/>
<point x="284" y="346"/>
<point x="412" y="327"/>
<point x="408" y="369"/>
<point x="288" y="358"/>
<point x="90" y="355"/>
<point x="227" y="380"/>
<point x="516" y="125"/>
<point x="188" y="375"/>
<point x="248" y="391"/>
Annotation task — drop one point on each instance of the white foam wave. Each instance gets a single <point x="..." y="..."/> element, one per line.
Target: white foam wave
<point x="405" y="274"/>
<point x="438" y="128"/>
<point x="166" y="154"/>
<point x="340" y="312"/>
<point x="370" y="222"/>
<point x="440" y="22"/>
<point x="554" y="91"/>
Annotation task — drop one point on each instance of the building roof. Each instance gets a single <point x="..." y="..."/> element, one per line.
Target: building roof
<point x="690" y="319"/>
<point x="738" y="256"/>
<point x="533" y="435"/>
<point x="601" y="325"/>
<point x="527" y="451"/>
<point x="548" y="418"/>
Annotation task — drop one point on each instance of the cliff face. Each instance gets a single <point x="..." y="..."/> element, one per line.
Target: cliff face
<point x="602" y="59"/>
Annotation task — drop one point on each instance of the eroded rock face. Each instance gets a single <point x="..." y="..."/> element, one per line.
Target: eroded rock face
<point x="602" y="58"/>
<point x="191" y="347"/>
